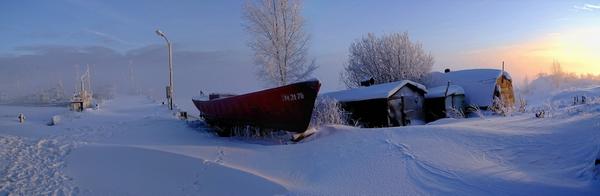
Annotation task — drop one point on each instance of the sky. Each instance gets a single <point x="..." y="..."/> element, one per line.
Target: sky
<point x="48" y="41"/>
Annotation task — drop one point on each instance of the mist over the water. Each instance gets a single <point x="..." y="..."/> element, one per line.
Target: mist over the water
<point x="143" y="70"/>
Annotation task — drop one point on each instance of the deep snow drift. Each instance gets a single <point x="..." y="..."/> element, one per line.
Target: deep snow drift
<point x="134" y="146"/>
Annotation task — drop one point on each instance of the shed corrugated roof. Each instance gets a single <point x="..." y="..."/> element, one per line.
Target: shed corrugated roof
<point x="372" y="92"/>
<point x="440" y="91"/>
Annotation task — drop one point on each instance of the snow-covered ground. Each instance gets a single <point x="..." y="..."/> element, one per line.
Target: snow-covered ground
<point x="134" y="146"/>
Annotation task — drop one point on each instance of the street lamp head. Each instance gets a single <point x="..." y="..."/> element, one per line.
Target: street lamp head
<point x="159" y="33"/>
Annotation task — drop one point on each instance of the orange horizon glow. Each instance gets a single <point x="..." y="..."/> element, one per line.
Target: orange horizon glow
<point x="578" y="51"/>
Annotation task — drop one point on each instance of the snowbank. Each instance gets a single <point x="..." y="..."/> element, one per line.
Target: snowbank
<point x="552" y="88"/>
<point x="133" y="146"/>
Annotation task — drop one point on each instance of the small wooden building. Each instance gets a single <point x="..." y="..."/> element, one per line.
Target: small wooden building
<point x="481" y="86"/>
<point x="81" y="101"/>
<point x="391" y="104"/>
<point x="444" y="101"/>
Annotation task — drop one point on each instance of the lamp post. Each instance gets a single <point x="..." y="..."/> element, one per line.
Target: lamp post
<point x="170" y="87"/>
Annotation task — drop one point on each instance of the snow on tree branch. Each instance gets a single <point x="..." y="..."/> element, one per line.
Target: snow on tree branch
<point x="279" y="41"/>
<point x="387" y="58"/>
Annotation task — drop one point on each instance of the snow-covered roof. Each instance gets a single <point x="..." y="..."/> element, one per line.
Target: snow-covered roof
<point x="440" y="91"/>
<point x="378" y="91"/>
<point x="478" y="84"/>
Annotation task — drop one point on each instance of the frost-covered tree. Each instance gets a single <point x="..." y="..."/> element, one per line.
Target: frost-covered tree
<point x="279" y="41"/>
<point x="387" y="58"/>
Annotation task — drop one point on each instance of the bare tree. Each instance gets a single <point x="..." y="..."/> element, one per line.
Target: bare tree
<point x="557" y="73"/>
<point x="279" y="41"/>
<point x="526" y="87"/>
<point x="556" y="68"/>
<point x="387" y="58"/>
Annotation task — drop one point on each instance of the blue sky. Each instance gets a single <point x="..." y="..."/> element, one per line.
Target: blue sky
<point x="215" y="25"/>
<point x="460" y="34"/>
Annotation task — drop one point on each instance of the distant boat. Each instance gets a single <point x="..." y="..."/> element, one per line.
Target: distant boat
<point x="286" y="108"/>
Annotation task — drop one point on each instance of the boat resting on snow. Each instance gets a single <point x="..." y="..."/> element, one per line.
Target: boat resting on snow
<point x="286" y="108"/>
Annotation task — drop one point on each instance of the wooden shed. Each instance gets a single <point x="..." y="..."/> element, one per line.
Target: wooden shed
<point x="444" y="101"/>
<point x="481" y="86"/>
<point x="391" y="104"/>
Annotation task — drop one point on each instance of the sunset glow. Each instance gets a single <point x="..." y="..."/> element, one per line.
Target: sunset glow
<point x="578" y="51"/>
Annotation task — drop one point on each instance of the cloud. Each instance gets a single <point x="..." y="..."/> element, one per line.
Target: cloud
<point x="101" y="37"/>
<point x="587" y="7"/>
<point x="592" y="6"/>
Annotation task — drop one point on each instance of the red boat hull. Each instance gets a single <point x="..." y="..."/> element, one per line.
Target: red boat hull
<point x="283" y="108"/>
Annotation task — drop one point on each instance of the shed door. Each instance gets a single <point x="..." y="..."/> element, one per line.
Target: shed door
<point x="396" y="112"/>
<point x="406" y="110"/>
<point x="406" y="107"/>
<point x="412" y="108"/>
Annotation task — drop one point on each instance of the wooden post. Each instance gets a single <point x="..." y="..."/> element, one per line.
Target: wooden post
<point x="21" y="118"/>
<point x="447" y="87"/>
<point x="403" y="112"/>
